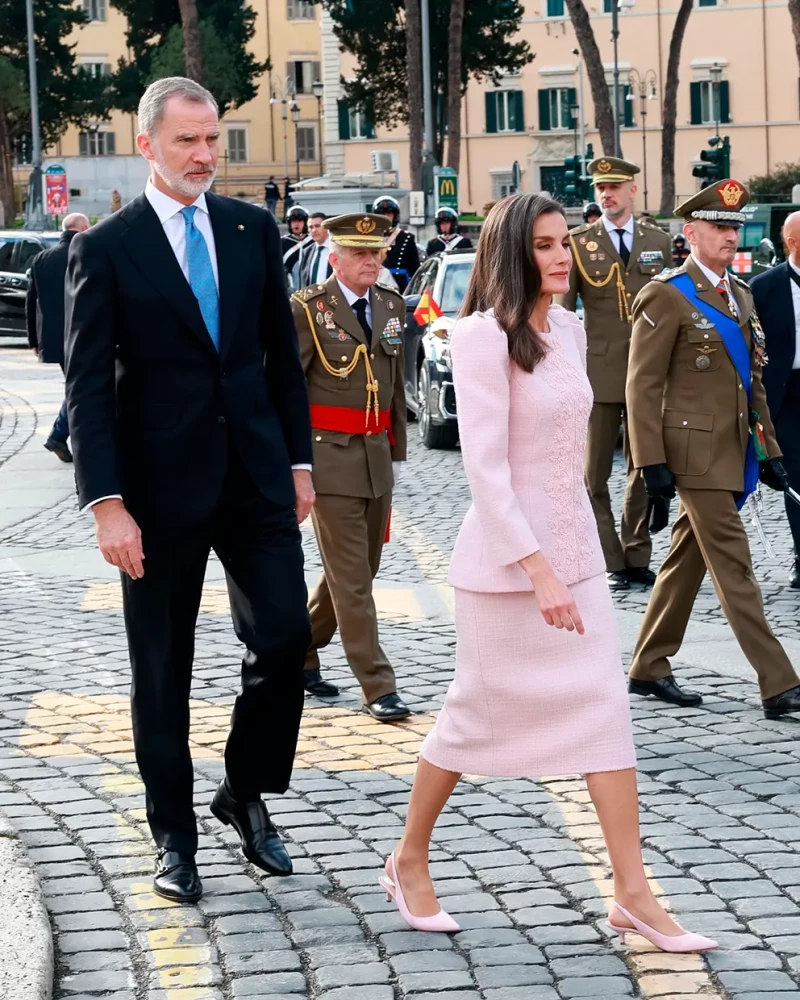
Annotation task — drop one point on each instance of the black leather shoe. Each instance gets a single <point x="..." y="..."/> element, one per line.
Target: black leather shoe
<point x="176" y="877"/>
<point x="667" y="689"/>
<point x="782" y="704"/>
<point x="794" y="575"/>
<point x="261" y="843"/>
<point x="618" y="580"/>
<point x="314" y="684"/>
<point x="640" y="574"/>
<point x="60" y="449"/>
<point x="388" y="708"/>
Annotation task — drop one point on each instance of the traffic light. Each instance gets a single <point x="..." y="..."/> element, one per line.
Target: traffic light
<point x="716" y="165"/>
<point x="572" y="176"/>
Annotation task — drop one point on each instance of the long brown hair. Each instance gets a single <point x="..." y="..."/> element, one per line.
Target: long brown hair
<point x="505" y="276"/>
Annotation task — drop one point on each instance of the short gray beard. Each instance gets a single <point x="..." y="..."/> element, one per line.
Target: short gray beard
<point x="180" y="183"/>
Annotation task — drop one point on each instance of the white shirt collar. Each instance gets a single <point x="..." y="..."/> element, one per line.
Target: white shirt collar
<point x="326" y="245"/>
<point x="792" y="265"/>
<point x="712" y="276"/>
<point x="166" y="207"/>
<point x="612" y="227"/>
<point x="350" y="295"/>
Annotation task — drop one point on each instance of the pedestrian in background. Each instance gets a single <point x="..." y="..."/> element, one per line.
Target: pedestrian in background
<point x="614" y="258"/>
<point x="272" y="195"/>
<point x="776" y="295"/>
<point x="288" y="200"/>
<point x="315" y="265"/>
<point x="44" y="315"/>
<point x="539" y="687"/>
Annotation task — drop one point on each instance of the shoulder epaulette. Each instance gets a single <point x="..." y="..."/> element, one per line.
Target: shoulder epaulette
<point x="741" y="282"/>
<point x="388" y="288"/>
<point x="304" y="294"/>
<point x="583" y="228"/>
<point x="668" y="274"/>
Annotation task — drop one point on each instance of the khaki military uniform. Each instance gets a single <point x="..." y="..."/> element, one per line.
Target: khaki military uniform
<point x="688" y="409"/>
<point x="607" y="288"/>
<point x="355" y="384"/>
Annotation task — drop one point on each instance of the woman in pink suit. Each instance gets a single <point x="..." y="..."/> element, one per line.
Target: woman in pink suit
<point x="539" y="687"/>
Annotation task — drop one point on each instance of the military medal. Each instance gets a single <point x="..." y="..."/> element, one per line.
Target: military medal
<point x="320" y="305"/>
<point x="759" y="341"/>
<point x="592" y="256"/>
<point x="702" y="363"/>
<point x="343" y="335"/>
<point x="582" y="240"/>
<point x="329" y="324"/>
<point x="591" y="246"/>
<point x="390" y="304"/>
<point x="319" y="318"/>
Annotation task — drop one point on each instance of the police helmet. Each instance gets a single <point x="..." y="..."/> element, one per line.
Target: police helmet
<point x="297" y="212"/>
<point x="592" y="209"/>
<point x="386" y="205"/>
<point x="446" y="214"/>
<point x="679" y="241"/>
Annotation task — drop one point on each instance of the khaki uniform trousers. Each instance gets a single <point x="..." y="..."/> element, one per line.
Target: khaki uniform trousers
<point x="709" y="535"/>
<point x="350" y="533"/>
<point x="635" y="547"/>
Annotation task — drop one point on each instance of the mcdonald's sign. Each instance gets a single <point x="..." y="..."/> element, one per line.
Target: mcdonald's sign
<point x="446" y="188"/>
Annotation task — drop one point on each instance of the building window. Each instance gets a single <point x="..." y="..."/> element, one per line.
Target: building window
<point x="504" y="111"/>
<point x="555" y="8"/>
<point x="96" y="69"/>
<point x="625" y="104"/>
<point x="554" y="108"/>
<point x="710" y="102"/>
<point x="306" y="143"/>
<point x="95" y="9"/>
<point x="237" y="144"/>
<point x="299" y="10"/>
<point x="706" y="3"/>
<point x="96" y="144"/>
<point x="501" y="185"/>
<point x="303" y="73"/>
<point x="608" y="6"/>
<point x="354" y="124"/>
<point x="23" y="151"/>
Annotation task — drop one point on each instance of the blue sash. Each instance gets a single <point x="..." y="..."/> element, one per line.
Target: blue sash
<point x="738" y="352"/>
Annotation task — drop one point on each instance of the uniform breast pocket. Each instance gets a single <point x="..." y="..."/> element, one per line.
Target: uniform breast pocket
<point x="650" y="267"/>
<point x="706" y="351"/>
<point x="687" y="442"/>
<point x="339" y="356"/>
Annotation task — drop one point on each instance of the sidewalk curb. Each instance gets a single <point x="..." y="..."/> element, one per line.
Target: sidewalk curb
<point x="26" y="940"/>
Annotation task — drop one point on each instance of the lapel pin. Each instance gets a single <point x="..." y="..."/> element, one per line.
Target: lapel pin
<point x="240" y="227"/>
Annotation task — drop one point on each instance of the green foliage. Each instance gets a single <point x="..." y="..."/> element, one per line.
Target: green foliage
<point x="67" y="95"/>
<point x="155" y="39"/>
<point x="779" y="182"/>
<point x="374" y="32"/>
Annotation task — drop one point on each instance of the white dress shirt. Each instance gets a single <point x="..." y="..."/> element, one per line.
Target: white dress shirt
<point x="611" y="229"/>
<point x="716" y="279"/>
<point x="353" y="297"/>
<point x="323" y="251"/>
<point x="169" y="215"/>
<point x="796" y="303"/>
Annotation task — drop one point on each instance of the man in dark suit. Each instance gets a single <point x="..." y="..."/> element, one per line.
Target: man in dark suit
<point x="776" y="294"/>
<point x="315" y="265"/>
<point x="44" y="314"/>
<point x="191" y="432"/>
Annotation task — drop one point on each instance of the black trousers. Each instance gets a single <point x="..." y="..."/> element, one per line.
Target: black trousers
<point x="259" y="546"/>
<point x="787" y="430"/>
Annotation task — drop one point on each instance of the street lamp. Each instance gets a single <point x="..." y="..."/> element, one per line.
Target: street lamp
<point x="318" y="89"/>
<point x="295" y="110"/>
<point x="286" y="90"/>
<point x="715" y="72"/>
<point x="616" y="7"/>
<point x="643" y="87"/>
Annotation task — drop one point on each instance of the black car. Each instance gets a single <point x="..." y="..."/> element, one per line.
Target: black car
<point x="18" y="247"/>
<point x="428" y="375"/>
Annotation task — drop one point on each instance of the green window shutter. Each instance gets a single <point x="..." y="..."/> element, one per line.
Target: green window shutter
<point x="724" y="102"/>
<point x="344" y="120"/>
<point x="491" y="111"/>
<point x="544" y="110"/>
<point x="519" y="115"/>
<point x="627" y="106"/>
<point x="696" y="102"/>
<point x="555" y="8"/>
<point x="572" y="101"/>
<point x="370" y="129"/>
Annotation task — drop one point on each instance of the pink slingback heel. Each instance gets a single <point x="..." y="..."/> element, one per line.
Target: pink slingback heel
<point x="440" y="922"/>
<point x="666" y="942"/>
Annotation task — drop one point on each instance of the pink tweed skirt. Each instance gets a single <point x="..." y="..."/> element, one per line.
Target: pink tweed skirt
<point x="530" y="700"/>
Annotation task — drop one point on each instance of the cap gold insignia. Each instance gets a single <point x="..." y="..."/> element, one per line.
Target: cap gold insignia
<point x="366" y="226"/>
<point x="731" y="193"/>
<point x="591" y="246"/>
<point x="604" y="166"/>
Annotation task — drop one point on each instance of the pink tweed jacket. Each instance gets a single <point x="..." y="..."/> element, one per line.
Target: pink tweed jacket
<point x="523" y="437"/>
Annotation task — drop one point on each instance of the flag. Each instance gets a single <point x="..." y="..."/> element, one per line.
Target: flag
<point x="742" y="262"/>
<point x="427" y="310"/>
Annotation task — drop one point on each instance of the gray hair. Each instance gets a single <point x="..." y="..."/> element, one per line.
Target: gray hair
<point x="77" y="220"/>
<point x="154" y="100"/>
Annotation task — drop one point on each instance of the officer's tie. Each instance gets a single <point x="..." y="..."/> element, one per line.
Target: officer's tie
<point x="201" y="274"/>
<point x="722" y="288"/>
<point x="624" y="252"/>
<point x="315" y="268"/>
<point x="360" y="309"/>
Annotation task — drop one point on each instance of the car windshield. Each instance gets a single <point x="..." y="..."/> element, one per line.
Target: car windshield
<point x="454" y="287"/>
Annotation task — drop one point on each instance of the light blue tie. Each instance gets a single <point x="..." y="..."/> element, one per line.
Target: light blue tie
<point x="201" y="274"/>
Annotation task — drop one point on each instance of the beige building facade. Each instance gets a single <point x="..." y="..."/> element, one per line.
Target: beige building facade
<point x="738" y="69"/>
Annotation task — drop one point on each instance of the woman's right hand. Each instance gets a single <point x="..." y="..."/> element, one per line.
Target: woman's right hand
<point x="554" y="597"/>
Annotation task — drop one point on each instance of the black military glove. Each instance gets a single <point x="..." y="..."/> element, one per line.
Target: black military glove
<point x="658" y="514"/>
<point x="659" y="481"/>
<point x="772" y="473"/>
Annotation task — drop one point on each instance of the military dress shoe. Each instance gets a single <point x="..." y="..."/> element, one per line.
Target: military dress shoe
<point x="640" y="574"/>
<point x="388" y="708"/>
<point x="261" y="842"/>
<point x="618" y="580"/>
<point x="667" y="689"/>
<point x="782" y="704"/>
<point x="176" y="877"/>
<point x="60" y="449"/>
<point x="314" y="684"/>
<point x="794" y="575"/>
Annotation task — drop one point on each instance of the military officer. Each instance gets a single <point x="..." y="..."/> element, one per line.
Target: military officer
<point x="614" y="258"/>
<point x="350" y="331"/>
<point x="698" y="421"/>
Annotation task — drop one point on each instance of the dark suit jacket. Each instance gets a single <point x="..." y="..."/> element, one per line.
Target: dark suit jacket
<point x="307" y="262"/>
<point x="44" y="304"/>
<point x="772" y="294"/>
<point x="153" y="407"/>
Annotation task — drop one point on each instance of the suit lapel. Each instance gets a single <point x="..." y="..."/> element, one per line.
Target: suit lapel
<point x="607" y="244"/>
<point x="638" y="244"/>
<point x="150" y="251"/>
<point x="380" y="314"/>
<point x="343" y="314"/>
<point x="232" y="244"/>
<point x="784" y="305"/>
<point x="708" y="294"/>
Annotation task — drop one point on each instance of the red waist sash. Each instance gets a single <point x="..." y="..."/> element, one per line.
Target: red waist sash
<point x="351" y="421"/>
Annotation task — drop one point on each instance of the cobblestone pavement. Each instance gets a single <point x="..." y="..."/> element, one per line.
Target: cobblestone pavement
<point x="519" y="863"/>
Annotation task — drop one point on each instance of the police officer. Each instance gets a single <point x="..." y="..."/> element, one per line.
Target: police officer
<point x="680" y="249"/>
<point x="351" y="345"/>
<point x="698" y="420"/>
<point x="449" y="237"/>
<point x="592" y="212"/>
<point x="402" y="256"/>
<point x="614" y="258"/>
<point x="295" y="242"/>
